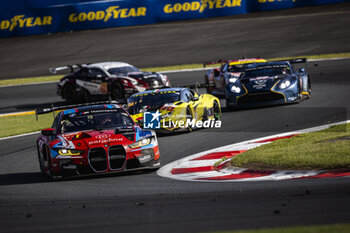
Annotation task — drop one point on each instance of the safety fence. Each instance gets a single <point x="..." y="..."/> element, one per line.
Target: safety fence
<point x="28" y="17"/>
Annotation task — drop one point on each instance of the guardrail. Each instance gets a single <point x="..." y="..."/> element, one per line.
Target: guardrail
<point x="28" y="17"/>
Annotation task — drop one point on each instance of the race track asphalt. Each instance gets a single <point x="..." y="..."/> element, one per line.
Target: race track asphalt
<point x="137" y="201"/>
<point x="292" y="32"/>
<point x="145" y="202"/>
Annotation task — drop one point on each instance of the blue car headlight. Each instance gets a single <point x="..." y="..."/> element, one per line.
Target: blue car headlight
<point x="284" y="84"/>
<point x="235" y="89"/>
<point x="232" y="79"/>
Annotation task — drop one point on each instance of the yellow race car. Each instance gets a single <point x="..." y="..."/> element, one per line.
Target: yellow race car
<point x="172" y="109"/>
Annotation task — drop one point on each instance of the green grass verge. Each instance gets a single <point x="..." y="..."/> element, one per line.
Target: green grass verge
<point x="20" y="81"/>
<point x="326" y="149"/>
<point x="15" y="125"/>
<point x="336" y="228"/>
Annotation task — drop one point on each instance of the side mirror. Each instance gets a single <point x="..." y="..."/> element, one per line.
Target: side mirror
<point x="195" y="98"/>
<point x="48" y="132"/>
<point x="302" y="70"/>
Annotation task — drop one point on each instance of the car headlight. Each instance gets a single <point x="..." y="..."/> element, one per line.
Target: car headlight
<point x="133" y="81"/>
<point x="164" y="77"/>
<point x="68" y="152"/>
<point x="235" y="89"/>
<point x="232" y="80"/>
<point x="143" y="142"/>
<point x="285" y="84"/>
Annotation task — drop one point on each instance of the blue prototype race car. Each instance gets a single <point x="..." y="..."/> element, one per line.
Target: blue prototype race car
<point x="268" y="83"/>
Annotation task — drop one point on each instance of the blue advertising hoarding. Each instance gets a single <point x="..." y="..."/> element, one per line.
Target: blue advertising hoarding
<point x="73" y="17"/>
<point x="28" y="17"/>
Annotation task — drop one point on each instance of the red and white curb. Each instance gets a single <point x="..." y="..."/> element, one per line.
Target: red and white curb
<point x="200" y="166"/>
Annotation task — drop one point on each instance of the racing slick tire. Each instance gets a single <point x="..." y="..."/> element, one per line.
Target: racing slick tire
<point x="52" y="175"/>
<point x="117" y="92"/>
<point x="217" y="112"/>
<point x="189" y="117"/>
<point x="69" y="94"/>
<point x="308" y="88"/>
<point x="41" y="162"/>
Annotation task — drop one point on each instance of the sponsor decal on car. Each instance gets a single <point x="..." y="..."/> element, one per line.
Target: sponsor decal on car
<point x="104" y="141"/>
<point x="260" y="84"/>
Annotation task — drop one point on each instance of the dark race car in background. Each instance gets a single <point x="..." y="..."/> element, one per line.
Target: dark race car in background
<point x="95" y="139"/>
<point x="228" y="72"/>
<point x="115" y="80"/>
<point x="268" y="83"/>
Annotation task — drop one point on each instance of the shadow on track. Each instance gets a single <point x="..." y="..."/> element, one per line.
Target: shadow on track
<point x="22" y="178"/>
<point x="37" y="177"/>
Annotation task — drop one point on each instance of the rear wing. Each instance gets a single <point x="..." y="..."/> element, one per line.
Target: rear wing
<point x="57" y="108"/>
<point x="220" y="61"/>
<point x="67" y="67"/>
<point x="239" y="61"/>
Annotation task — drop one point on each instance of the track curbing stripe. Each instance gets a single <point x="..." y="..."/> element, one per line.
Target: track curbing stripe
<point x="200" y="167"/>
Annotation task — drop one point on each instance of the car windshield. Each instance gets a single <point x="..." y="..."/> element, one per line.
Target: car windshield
<point x="104" y="120"/>
<point x="123" y="70"/>
<point x="156" y="98"/>
<point x="235" y="68"/>
<point x="265" y="71"/>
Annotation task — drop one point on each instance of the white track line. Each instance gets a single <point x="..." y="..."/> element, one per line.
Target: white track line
<point x="20" y="135"/>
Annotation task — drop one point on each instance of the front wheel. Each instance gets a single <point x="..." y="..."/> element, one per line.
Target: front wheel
<point x="117" y="91"/>
<point x="69" y="93"/>
<point x="189" y="118"/>
<point x="41" y="161"/>
<point x="217" y="111"/>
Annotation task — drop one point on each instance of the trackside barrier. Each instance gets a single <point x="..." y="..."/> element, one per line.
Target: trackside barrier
<point x="28" y="17"/>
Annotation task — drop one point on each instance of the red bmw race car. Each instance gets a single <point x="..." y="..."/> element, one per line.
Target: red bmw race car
<point x="95" y="139"/>
<point x="116" y="80"/>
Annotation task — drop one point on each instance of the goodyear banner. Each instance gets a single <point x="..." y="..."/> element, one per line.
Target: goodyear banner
<point x="107" y="14"/>
<point x="71" y="17"/>
<point x="22" y="23"/>
<point x="169" y="10"/>
<point x="28" y="17"/>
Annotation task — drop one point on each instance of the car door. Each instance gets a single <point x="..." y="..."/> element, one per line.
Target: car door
<point x="94" y="80"/>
